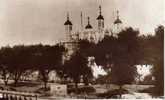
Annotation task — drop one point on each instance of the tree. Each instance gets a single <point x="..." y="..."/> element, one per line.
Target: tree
<point x="152" y="48"/>
<point x="5" y="58"/>
<point x="158" y="70"/>
<point x="19" y="63"/>
<point x="16" y="61"/>
<point x="77" y="67"/>
<point x="125" y="57"/>
<point x="13" y="62"/>
<point x="86" y="50"/>
<point x="5" y="74"/>
<point x="104" y="51"/>
<point x="146" y="49"/>
<point x="47" y="58"/>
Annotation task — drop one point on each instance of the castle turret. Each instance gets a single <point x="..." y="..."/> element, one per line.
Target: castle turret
<point x="88" y="26"/>
<point x="68" y="27"/>
<point x="117" y="22"/>
<point x="89" y="34"/>
<point x="100" y="19"/>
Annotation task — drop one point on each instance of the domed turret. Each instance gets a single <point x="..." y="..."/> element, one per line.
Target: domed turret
<point x="88" y="26"/>
<point x="68" y="27"/>
<point x="68" y="22"/>
<point x="117" y="21"/>
<point x="100" y="19"/>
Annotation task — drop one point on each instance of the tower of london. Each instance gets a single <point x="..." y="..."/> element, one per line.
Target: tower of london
<point x="88" y="32"/>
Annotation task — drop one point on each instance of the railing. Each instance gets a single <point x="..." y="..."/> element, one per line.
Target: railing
<point x="13" y="95"/>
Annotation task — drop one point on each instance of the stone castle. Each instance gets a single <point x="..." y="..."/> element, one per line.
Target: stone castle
<point x="87" y="32"/>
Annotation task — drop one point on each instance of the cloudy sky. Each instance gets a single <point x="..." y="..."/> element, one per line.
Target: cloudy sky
<point x="41" y="21"/>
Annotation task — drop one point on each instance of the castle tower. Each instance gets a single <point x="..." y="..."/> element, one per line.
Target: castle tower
<point x="88" y="26"/>
<point x="89" y="31"/>
<point x="117" y="22"/>
<point x="100" y="19"/>
<point x="68" y="27"/>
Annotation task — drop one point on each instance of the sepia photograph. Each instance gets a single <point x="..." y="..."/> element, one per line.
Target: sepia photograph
<point x="82" y="49"/>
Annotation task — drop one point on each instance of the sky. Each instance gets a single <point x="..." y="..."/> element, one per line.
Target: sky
<point x="42" y="21"/>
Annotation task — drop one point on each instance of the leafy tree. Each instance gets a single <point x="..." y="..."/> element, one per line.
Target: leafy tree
<point x="126" y="57"/>
<point x="105" y="50"/>
<point x="47" y="58"/>
<point x="5" y="74"/>
<point x="14" y="62"/>
<point x="5" y="58"/>
<point x="147" y="50"/>
<point x="85" y="49"/>
<point x="19" y="62"/>
<point x="158" y="70"/>
<point x="152" y="50"/>
<point x="76" y="67"/>
<point x="120" y="54"/>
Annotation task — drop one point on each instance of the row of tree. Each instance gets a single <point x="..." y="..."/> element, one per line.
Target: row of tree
<point x="16" y="61"/>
